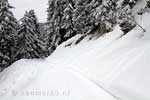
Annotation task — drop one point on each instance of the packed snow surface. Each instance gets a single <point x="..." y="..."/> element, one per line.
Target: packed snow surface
<point x="112" y="67"/>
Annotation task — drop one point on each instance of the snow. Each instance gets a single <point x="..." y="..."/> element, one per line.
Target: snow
<point x="112" y="67"/>
<point x="33" y="82"/>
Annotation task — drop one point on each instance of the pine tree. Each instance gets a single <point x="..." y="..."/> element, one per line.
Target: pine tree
<point x="60" y="20"/>
<point x="82" y="16"/>
<point x="8" y="26"/>
<point x="53" y="19"/>
<point x="31" y="46"/>
<point x="67" y="28"/>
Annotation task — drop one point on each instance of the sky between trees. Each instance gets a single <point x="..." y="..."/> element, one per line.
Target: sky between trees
<point x="22" y="5"/>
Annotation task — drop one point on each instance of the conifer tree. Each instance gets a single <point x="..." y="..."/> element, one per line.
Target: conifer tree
<point x="31" y="45"/>
<point x="67" y="27"/>
<point x="53" y="22"/>
<point x="60" y="20"/>
<point x="82" y="16"/>
<point x="8" y="26"/>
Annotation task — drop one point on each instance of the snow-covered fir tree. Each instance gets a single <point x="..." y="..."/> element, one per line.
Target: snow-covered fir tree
<point x="82" y="16"/>
<point x="67" y="19"/>
<point x="8" y="26"/>
<point x="31" y="45"/>
<point x="53" y="22"/>
<point x="45" y="37"/>
<point x="60" y="20"/>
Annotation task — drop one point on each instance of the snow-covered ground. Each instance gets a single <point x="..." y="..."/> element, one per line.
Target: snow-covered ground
<point x="109" y="68"/>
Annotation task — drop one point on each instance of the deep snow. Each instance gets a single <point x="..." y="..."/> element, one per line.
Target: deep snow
<point x="109" y="68"/>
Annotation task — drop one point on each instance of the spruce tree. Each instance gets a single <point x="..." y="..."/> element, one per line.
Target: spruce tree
<point x="8" y="26"/>
<point x="31" y="46"/>
<point x="67" y="28"/>
<point x="53" y="22"/>
<point x="82" y="16"/>
<point x="60" y="20"/>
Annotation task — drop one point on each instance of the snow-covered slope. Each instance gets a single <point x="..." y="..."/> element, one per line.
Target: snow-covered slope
<point x="109" y="68"/>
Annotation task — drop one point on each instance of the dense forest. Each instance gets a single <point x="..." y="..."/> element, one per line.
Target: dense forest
<point x="27" y="38"/>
